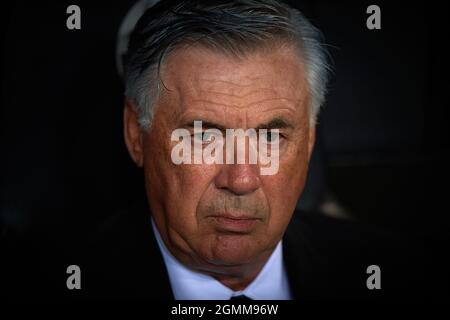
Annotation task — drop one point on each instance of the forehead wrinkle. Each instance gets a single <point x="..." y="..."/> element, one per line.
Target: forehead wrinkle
<point x="234" y="100"/>
<point x="226" y="82"/>
<point x="266" y="87"/>
<point x="291" y="105"/>
<point x="188" y="105"/>
<point x="241" y="85"/>
<point x="210" y="104"/>
<point x="240" y="90"/>
<point x="241" y="80"/>
<point x="234" y="95"/>
<point x="195" y="112"/>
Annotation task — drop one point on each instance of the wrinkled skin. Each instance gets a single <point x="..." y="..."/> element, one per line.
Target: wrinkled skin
<point x="233" y="93"/>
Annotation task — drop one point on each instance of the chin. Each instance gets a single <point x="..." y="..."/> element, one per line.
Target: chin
<point x="234" y="250"/>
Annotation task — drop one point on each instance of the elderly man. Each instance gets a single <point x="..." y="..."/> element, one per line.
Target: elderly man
<point x="224" y="229"/>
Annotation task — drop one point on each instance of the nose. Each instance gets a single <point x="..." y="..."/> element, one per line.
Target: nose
<point x="239" y="179"/>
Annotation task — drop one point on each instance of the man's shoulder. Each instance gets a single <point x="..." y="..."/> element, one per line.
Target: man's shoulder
<point x="124" y="259"/>
<point x="334" y="258"/>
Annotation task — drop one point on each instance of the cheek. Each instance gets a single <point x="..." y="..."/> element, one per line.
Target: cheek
<point x="177" y="188"/>
<point x="186" y="186"/>
<point x="284" y="188"/>
<point x="192" y="181"/>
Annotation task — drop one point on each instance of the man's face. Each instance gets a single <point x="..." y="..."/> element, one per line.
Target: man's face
<point x="222" y="217"/>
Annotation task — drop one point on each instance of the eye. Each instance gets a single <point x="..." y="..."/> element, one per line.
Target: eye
<point x="204" y="137"/>
<point x="271" y="137"/>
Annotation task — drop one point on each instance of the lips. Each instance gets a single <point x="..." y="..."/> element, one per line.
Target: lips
<point x="241" y="223"/>
<point x="235" y="216"/>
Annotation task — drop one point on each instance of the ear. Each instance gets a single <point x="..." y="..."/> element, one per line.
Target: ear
<point x="133" y="133"/>
<point x="311" y="140"/>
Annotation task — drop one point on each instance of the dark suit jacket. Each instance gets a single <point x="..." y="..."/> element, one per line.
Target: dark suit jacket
<point x="324" y="258"/>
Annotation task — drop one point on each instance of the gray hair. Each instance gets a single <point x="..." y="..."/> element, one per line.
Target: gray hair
<point x="232" y="27"/>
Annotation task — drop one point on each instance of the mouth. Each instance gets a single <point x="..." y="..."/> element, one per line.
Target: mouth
<point x="237" y="223"/>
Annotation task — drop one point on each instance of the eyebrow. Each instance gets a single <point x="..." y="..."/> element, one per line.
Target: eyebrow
<point x="206" y="124"/>
<point x="276" y="123"/>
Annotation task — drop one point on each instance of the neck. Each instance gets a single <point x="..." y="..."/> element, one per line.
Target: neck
<point x="238" y="283"/>
<point x="237" y="278"/>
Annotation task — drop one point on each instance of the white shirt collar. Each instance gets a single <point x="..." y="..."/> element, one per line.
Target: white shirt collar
<point x="270" y="284"/>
